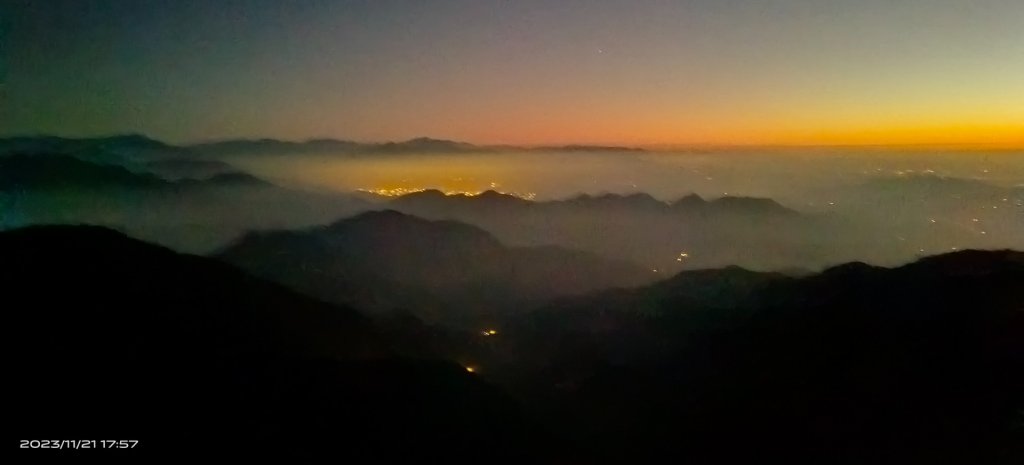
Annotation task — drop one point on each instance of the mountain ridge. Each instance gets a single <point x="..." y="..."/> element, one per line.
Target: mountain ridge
<point x="438" y="265"/>
<point x="191" y="356"/>
<point x="54" y="171"/>
<point x="122" y="143"/>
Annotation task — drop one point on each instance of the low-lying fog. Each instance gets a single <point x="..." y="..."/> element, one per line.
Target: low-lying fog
<point x="880" y="206"/>
<point x="799" y="178"/>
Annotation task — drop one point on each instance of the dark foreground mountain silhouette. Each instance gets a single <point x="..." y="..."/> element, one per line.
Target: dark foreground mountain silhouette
<point x="918" y="364"/>
<point x="112" y="338"/>
<point x="441" y="270"/>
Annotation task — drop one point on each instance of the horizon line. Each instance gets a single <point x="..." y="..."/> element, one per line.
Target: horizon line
<point x="654" y="147"/>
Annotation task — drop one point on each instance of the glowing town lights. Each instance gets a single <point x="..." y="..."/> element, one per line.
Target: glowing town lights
<point x="392" y="192"/>
<point x="400" y="191"/>
<point x="471" y="369"/>
<point x="931" y="220"/>
<point x="489" y="332"/>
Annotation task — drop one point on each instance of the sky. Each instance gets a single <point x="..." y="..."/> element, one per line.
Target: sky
<point x="638" y="72"/>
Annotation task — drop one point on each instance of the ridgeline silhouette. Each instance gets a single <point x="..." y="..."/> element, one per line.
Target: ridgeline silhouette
<point x="113" y="338"/>
<point x="444" y="271"/>
<point x="858" y="364"/>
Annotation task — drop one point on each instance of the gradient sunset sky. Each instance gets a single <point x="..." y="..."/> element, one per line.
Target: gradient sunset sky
<point x="636" y="72"/>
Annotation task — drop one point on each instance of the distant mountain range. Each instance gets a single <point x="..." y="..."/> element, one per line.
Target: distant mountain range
<point x="119" y="144"/>
<point x="436" y="201"/>
<point x="38" y="172"/>
<point x="441" y="270"/>
<point x="417" y="145"/>
<point x="189" y="214"/>
<point x="124" y="148"/>
<point x="135" y="152"/>
<point x="190" y="357"/>
<point x="636" y="227"/>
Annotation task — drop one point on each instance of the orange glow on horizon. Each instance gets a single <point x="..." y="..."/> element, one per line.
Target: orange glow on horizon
<point x="959" y="136"/>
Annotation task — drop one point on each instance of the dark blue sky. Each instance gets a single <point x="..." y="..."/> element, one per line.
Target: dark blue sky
<point x="655" y="71"/>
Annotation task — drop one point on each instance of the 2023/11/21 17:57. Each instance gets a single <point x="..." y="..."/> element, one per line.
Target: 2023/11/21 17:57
<point x="78" y="444"/>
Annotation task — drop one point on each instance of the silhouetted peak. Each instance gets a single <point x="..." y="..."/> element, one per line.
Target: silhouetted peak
<point x="397" y="225"/>
<point x="495" y="197"/>
<point x="429" y="140"/>
<point x="437" y="198"/>
<point x="425" y="144"/>
<point x="971" y="262"/>
<point x="424" y="194"/>
<point x="588" y="148"/>
<point x="635" y="200"/>
<point x="751" y="205"/>
<point x="850" y="269"/>
<point x="960" y="263"/>
<point x="491" y="193"/>
<point x="129" y="141"/>
<point x="691" y="200"/>
<point x="237" y="179"/>
<point x="724" y="274"/>
<point x="376" y="216"/>
<point x="329" y="141"/>
<point x="54" y="171"/>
